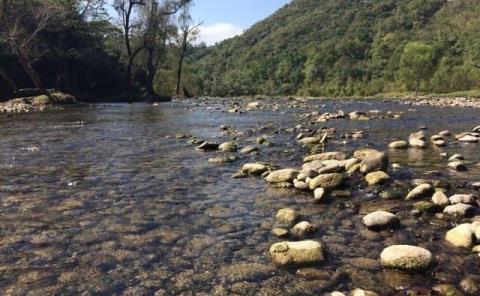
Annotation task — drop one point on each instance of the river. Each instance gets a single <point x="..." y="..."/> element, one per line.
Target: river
<point x="107" y="200"/>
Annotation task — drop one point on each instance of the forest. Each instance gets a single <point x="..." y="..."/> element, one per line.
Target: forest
<point x="94" y="49"/>
<point x="349" y="48"/>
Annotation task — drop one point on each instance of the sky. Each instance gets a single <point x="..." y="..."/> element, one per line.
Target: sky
<point x="223" y="19"/>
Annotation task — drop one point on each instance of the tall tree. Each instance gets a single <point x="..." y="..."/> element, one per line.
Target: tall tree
<point x="134" y="26"/>
<point x="21" y="22"/>
<point x="188" y="34"/>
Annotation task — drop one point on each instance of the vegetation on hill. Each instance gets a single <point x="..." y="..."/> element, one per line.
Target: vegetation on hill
<point x="348" y="48"/>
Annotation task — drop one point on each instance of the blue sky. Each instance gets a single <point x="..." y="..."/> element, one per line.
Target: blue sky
<point x="226" y="18"/>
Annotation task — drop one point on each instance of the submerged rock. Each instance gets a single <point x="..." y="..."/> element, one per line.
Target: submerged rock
<point x="302" y="229"/>
<point x="398" y="145"/>
<point x="297" y="253"/>
<point x="254" y="168"/>
<point x="249" y="149"/>
<point x="228" y="147"/>
<point x="405" y="257"/>
<point x="376" y="178"/>
<point x="326" y="156"/>
<point x="286" y="217"/>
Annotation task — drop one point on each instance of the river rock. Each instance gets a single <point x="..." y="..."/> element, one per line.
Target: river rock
<point x="456" y="157"/>
<point x="286" y="217"/>
<point x="405" y="257"/>
<point x="380" y="220"/>
<point x="281" y="176"/>
<point x="468" y="139"/>
<point x="460" y="236"/>
<point x="325" y="156"/>
<point x="457" y="165"/>
<point x="398" y="145"/>
<point x="318" y="194"/>
<point x="208" y="146"/>
<point x="228" y="147"/>
<point x="249" y="149"/>
<point x="326" y="181"/>
<point x="462" y="198"/>
<point x="422" y="190"/>
<point x="374" y="161"/>
<point x="280" y="232"/>
<point x="297" y="253"/>
<point x="417" y="140"/>
<point x="254" y="168"/>
<point x="310" y="140"/>
<point x="446" y="290"/>
<point x="440" y="199"/>
<point x="302" y="229"/>
<point x="301" y="185"/>
<point x="376" y="178"/>
<point x="459" y="210"/>
<point x="360" y="292"/>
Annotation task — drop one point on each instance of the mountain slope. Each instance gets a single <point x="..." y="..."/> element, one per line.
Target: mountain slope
<point x="345" y="47"/>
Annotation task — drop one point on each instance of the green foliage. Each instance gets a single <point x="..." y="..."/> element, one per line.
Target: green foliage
<point x="349" y="48"/>
<point x="416" y="64"/>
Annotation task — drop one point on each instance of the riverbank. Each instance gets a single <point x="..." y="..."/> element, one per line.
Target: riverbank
<point x="37" y="103"/>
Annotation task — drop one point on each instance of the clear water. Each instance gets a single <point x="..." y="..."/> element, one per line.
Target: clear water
<point x="104" y="200"/>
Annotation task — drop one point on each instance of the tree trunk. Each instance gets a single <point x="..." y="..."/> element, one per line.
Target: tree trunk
<point x="180" y="62"/>
<point x="27" y="66"/>
<point x="151" y="69"/>
<point x="8" y="80"/>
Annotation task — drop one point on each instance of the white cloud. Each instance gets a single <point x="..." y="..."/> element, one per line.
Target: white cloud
<point x="214" y="33"/>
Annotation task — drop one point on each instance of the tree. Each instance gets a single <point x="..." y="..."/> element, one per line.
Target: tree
<point x="188" y="34"/>
<point x="21" y="21"/>
<point x="136" y="26"/>
<point x="416" y="64"/>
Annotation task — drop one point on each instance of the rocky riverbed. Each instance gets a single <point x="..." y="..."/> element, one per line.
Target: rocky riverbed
<point x="241" y="197"/>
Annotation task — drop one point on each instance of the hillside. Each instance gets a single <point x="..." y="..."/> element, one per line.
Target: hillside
<point x="348" y="47"/>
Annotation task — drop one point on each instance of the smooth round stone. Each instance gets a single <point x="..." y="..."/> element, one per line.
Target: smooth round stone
<point x="254" y="168"/>
<point x="302" y="229"/>
<point x="468" y="139"/>
<point x="417" y="143"/>
<point x="361" y="292"/>
<point x="326" y="181"/>
<point x="459" y="210"/>
<point x="376" y="178"/>
<point x="280" y="232"/>
<point x="405" y="257"/>
<point x="440" y="199"/>
<point x="457" y="165"/>
<point x="421" y="190"/>
<point x="280" y="176"/>
<point x="460" y="236"/>
<point x="228" y="147"/>
<point x="462" y="198"/>
<point x="297" y="253"/>
<point x="398" y="145"/>
<point x="286" y="217"/>
<point x="249" y="149"/>
<point x="380" y="219"/>
<point x="319" y="194"/>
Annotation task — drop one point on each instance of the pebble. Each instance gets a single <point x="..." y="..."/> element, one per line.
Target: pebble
<point x="297" y="253"/>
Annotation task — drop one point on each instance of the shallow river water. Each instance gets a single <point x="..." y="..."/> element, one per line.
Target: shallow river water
<point x="106" y="200"/>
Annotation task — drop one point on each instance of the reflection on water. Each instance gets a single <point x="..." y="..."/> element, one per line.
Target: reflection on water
<point x="105" y="200"/>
